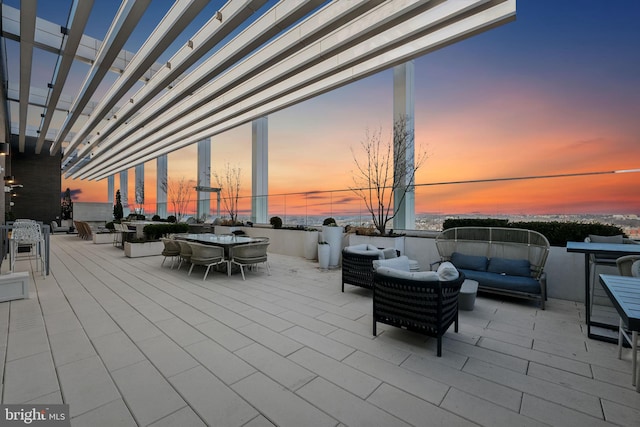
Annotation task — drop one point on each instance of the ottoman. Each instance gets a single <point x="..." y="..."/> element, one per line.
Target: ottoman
<point x="467" y="295"/>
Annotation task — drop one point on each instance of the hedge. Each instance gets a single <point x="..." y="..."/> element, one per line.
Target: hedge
<point x="558" y="233"/>
<point x="156" y="231"/>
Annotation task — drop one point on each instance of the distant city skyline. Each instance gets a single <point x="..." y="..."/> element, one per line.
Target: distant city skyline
<point x="555" y="92"/>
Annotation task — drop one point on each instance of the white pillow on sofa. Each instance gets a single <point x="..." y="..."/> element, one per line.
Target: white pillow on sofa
<point x="399" y="263"/>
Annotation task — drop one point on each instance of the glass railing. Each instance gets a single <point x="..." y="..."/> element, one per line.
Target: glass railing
<point x="567" y="198"/>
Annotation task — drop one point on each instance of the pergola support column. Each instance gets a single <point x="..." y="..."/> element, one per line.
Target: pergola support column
<point x="162" y="185"/>
<point x="110" y="188"/>
<point x="204" y="178"/>
<point x="403" y="114"/>
<point x="124" y="191"/>
<point x="260" y="170"/>
<point x="139" y="199"/>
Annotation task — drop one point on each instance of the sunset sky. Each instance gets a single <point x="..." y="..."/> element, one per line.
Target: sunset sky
<point x="555" y="92"/>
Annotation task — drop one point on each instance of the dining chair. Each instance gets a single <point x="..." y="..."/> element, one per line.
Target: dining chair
<point x="27" y="233"/>
<point x="205" y="255"/>
<point x="185" y="252"/>
<point x="171" y="250"/>
<point x="250" y="255"/>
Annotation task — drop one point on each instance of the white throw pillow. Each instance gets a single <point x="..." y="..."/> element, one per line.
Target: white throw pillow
<point x="447" y="272"/>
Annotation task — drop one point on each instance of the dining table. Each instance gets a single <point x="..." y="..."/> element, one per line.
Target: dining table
<point x="599" y="249"/>
<point x="226" y="241"/>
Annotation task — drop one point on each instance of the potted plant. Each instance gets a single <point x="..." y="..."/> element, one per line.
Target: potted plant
<point x="311" y="243"/>
<point x="324" y="253"/>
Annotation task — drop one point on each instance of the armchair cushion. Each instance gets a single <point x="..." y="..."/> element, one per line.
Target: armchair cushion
<point x="447" y="271"/>
<point x="593" y="238"/>
<point x="398" y="263"/>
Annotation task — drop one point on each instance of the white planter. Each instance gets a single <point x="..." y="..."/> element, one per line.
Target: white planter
<point x="333" y="236"/>
<point x="310" y="244"/>
<point x="135" y="250"/>
<point x="379" y="241"/>
<point x="14" y="286"/>
<point x="324" y="253"/>
<point x="102" y="238"/>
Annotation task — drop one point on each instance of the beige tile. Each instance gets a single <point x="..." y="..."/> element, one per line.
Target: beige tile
<point x="346" y="407"/>
<point x="147" y="394"/>
<point x="306" y="321"/>
<point x="319" y="343"/>
<point x="483" y="388"/>
<point x="529" y="385"/>
<point x="372" y="346"/>
<point x="344" y="376"/>
<point x="227" y="337"/>
<point x="184" y="417"/>
<point x="138" y="328"/>
<point x="483" y="412"/>
<point x="70" y="346"/>
<point x="168" y="357"/>
<point x="220" y="361"/>
<point x="215" y="402"/>
<point x="281" y="406"/>
<point x="620" y="414"/>
<point x="29" y="378"/>
<point x="269" y="320"/>
<point x="272" y="340"/>
<point x="555" y="414"/>
<point x="113" y="414"/>
<point x="259" y="421"/>
<point x="277" y="367"/>
<point x="180" y="331"/>
<point x="87" y="384"/>
<point x="117" y="350"/>
<point x="400" y="377"/>
<point x="413" y="410"/>
<point x="26" y="342"/>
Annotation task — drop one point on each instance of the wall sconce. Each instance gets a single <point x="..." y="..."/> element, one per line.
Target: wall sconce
<point x="4" y="148"/>
<point x="9" y="179"/>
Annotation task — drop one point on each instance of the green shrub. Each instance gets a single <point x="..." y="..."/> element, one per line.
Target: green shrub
<point x="276" y="222"/>
<point x="110" y="226"/>
<point x="156" y="217"/>
<point x="558" y="233"/>
<point x="329" y="221"/>
<point x="156" y="231"/>
<point x="171" y="218"/>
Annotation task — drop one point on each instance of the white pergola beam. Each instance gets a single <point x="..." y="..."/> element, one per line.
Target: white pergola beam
<point x="167" y="113"/>
<point x="122" y="26"/>
<point x="27" y="32"/>
<point x="281" y="15"/>
<point x="234" y="13"/>
<point x="173" y="23"/>
<point x="80" y="15"/>
<point x="496" y="13"/>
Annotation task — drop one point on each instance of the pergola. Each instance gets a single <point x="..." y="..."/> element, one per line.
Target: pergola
<point x="246" y="62"/>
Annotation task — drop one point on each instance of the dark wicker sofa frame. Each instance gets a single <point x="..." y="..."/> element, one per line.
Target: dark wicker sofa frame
<point x="357" y="269"/>
<point x="426" y="307"/>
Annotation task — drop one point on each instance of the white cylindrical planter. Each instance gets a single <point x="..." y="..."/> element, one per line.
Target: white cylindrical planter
<point x="324" y="253"/>
<point x="333" y="236"/>
<point x="311" y="244"/>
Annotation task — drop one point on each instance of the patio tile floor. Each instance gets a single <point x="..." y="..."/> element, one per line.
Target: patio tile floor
<point x="128" y="342"/>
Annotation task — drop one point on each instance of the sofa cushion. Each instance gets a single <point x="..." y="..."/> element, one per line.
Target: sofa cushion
<point x="469" y="262"/>
<point x="389" y="253"/>
<point x="399" y="263"/>
<point x="425" y="276"/>
<point x="593" y="238"/>
<point x="499" y="281"/>
<point x="360" y="247"/>
<point x="510" y="267"/>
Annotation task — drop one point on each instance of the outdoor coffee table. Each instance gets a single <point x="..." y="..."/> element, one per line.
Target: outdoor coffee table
<point x="467" y="295"/>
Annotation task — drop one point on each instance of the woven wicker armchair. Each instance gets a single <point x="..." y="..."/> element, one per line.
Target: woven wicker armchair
<point x="420" y="302"/>
<point x="357" y="264"/>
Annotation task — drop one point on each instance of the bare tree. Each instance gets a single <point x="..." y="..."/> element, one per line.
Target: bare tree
<point x="385" y="172"/>
<point x="139" y="209"/>
<point x="229" y="182"/>
<point x="179" y="195"/>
